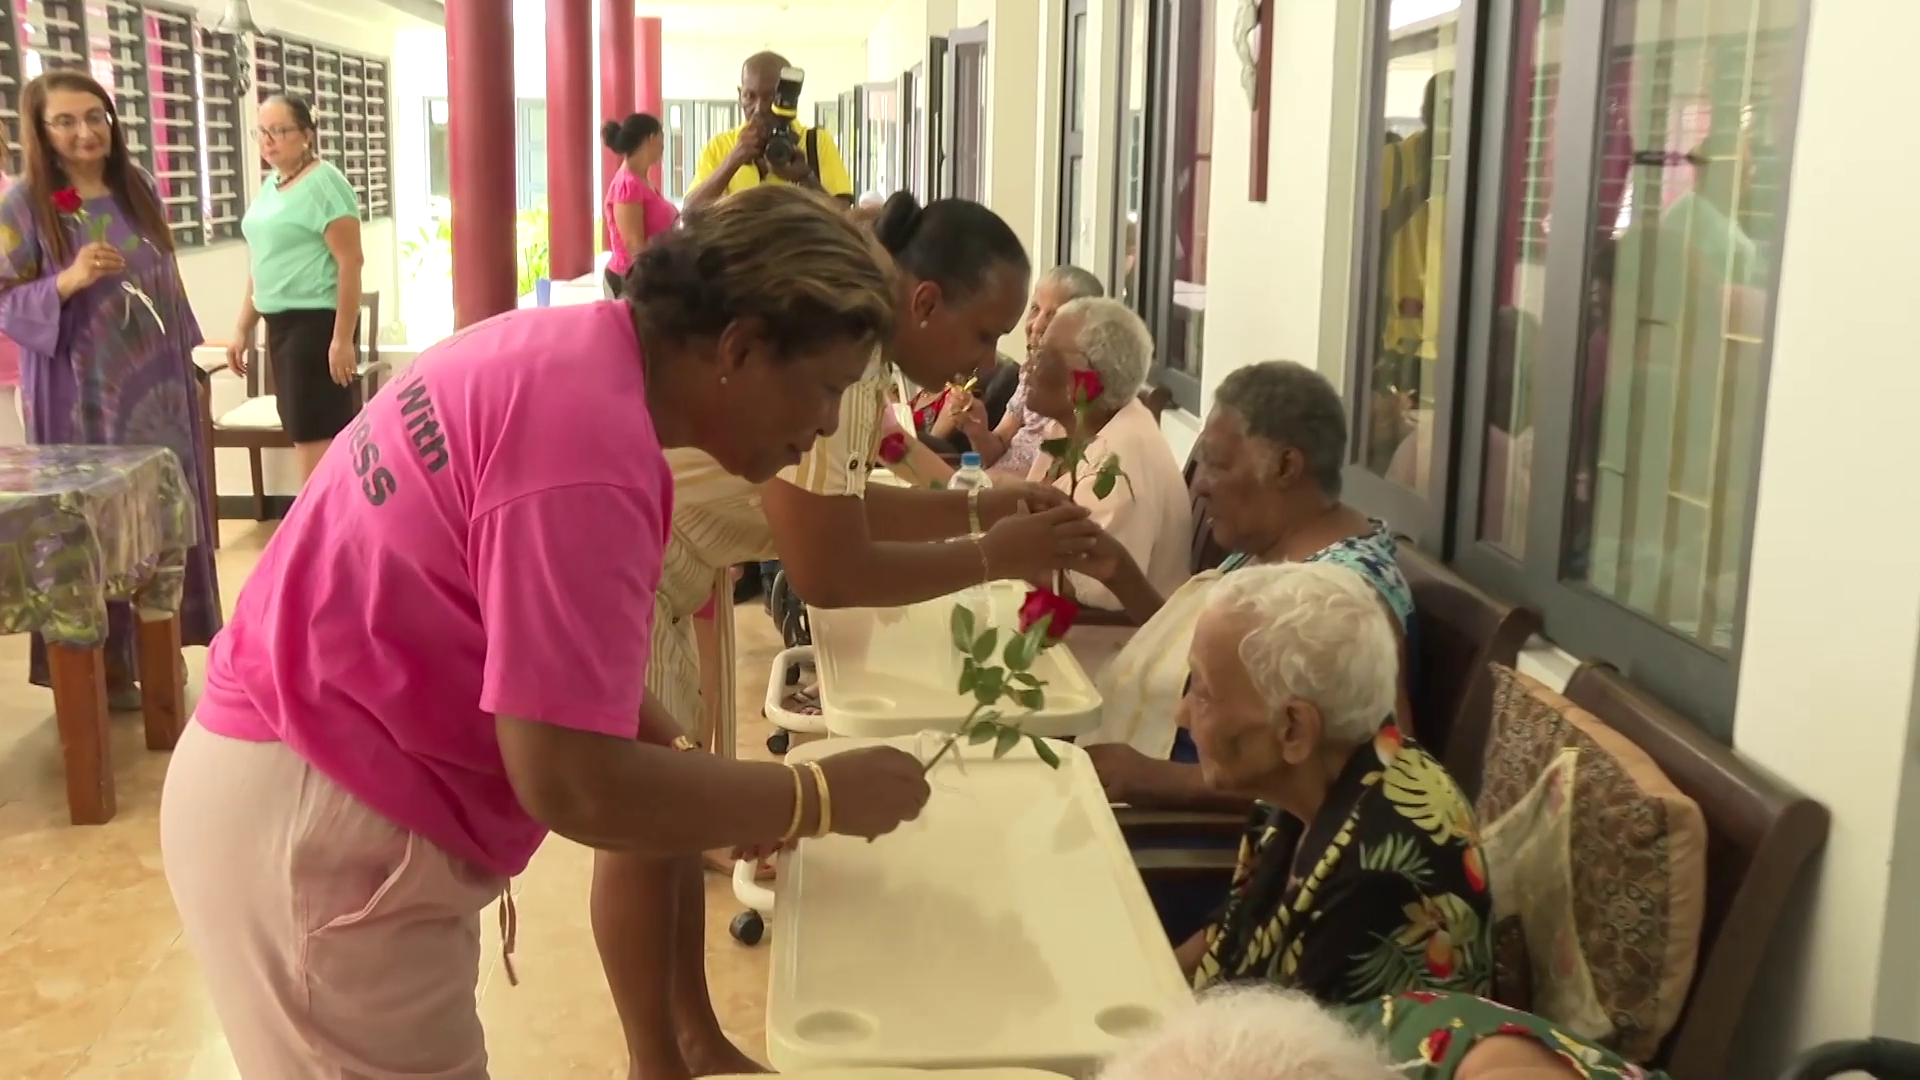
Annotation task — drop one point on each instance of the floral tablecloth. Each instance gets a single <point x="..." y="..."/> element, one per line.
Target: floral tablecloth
<point x="82" y="525"/>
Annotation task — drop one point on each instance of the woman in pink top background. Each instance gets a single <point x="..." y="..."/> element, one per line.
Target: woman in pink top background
<point x="636" y="212"/>
<point x="442" y="655"/>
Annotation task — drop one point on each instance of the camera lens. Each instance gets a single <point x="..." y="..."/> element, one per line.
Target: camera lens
<point x="781" y="148"/>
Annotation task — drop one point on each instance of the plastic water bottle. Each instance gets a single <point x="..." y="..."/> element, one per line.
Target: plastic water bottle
<point x="969" y="476"/>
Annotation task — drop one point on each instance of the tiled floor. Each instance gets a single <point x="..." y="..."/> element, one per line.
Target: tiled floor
<point x="95" y="981"/>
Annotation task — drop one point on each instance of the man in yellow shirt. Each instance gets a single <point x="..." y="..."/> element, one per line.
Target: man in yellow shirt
<point x="736" y="160"/>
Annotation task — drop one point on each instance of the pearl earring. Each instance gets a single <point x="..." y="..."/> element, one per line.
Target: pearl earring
<point x="923" y="324"/>
<point x="723" y="380"/>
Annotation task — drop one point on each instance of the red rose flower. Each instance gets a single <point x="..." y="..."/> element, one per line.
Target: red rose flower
<point x="1039" y="604"/>
<point x="1086" y="386"/>
<point x="67" y="201"/>
<point x="1433" y="1048"/>
<point x="893" y="448"/>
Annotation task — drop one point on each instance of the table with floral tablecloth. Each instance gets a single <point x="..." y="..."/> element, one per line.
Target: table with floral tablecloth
<point x="81" y="526"/>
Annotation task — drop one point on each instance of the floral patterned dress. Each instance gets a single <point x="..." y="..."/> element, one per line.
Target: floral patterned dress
<point x="1428" y="1034"/>
<point x="1387" y="891"/>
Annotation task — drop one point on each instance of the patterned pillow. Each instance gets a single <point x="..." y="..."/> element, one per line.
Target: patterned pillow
<point x="1615" y="956"/>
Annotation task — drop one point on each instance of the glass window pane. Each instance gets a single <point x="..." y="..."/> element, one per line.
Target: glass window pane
<point x="1076" y="70"/>
<point x="1076" y="239"/>
<point x="1193" y="176"/>
<point x="1526" y="188"/>
<point x="1401" y="342"/>
<point x="1693" y="157"/>
<point x="1133" y="130"/>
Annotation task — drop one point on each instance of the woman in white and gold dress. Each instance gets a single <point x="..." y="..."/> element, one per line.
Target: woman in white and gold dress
<point x="962" y="285"/>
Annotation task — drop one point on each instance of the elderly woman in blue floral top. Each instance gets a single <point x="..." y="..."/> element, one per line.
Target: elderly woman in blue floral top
<point x="1295" y="670"/>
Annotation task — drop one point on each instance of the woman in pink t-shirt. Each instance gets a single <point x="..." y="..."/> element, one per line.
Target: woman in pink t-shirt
<point x="636" y="212"/>
<point x="443" y="652"/>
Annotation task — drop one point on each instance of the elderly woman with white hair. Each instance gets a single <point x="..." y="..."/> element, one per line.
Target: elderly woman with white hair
<point x="1255" y="1033"/>
<point x="1295" y="671"/>
<point x="1149" y="514"/>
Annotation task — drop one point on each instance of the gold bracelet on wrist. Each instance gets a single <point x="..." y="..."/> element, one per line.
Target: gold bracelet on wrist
<point x="826" y="800"/>
<point x="799" y="807"/>
<point x="973" y="511"/>
<point x="986" y="571"/>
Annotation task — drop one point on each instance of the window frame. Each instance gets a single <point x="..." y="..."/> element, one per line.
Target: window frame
<point x="1153" y="301"/>
<point x="1700" y="683"/>
<point x="1072" y="133"/>
<point x="216" y="53"/>
<point x="964" y="45"/>
<point x="934" y="94"/>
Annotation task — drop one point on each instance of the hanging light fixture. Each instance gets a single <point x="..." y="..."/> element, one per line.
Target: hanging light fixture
<point x="237" y="22"/>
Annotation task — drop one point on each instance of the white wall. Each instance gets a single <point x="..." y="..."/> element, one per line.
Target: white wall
<point x="216" y="276"/>
<point x="1832" y="712"/>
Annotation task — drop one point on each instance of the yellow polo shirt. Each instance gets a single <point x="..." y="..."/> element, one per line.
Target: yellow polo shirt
<point x="833" y="171"/>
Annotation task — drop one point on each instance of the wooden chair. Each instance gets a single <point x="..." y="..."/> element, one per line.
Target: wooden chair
<point x="1761" y="836"/>
<point x="254" y="425"/>
<point x="1458" y="631"/>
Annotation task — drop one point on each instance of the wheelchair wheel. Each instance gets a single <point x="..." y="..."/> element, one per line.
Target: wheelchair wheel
<point x="748" y="928"/>
<point x="789" y="613"/>
<point x="778" y="742"/>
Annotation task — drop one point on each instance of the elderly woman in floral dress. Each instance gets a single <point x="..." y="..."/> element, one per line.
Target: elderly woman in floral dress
<point x="1294" y="676"/>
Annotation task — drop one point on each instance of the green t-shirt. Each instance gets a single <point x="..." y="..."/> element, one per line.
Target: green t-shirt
<point x="293" y="270"/>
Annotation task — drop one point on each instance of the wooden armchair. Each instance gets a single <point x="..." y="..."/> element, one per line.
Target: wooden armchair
<point x="1761" y="836"/>
<point x="254" y="425"/>
<point x="1458" y="631"/>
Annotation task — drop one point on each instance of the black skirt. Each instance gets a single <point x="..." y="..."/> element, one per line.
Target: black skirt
<point x="313" y="408"/>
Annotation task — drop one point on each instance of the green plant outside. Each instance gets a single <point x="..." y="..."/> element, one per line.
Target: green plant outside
<point x="430" y="250"/>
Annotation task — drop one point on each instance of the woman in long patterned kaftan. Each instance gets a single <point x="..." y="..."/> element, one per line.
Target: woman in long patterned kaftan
<point x="91" y="293"/>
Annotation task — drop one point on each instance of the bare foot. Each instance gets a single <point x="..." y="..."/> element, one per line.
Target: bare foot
<point x="719" y="1058"/>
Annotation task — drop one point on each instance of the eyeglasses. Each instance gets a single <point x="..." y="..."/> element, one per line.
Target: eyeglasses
<point x="276" y="133"/>
<point x="97" y="120"/>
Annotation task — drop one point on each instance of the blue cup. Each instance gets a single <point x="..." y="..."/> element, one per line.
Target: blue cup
<point x="543" y="292"/>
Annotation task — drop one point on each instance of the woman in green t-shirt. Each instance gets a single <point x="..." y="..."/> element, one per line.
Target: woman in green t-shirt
<point x="303" y="236"/>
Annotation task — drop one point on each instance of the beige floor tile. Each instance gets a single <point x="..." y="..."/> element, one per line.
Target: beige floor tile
<point x="98" y="984"/>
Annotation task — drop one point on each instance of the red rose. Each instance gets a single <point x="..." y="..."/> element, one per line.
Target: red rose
<point x="1040" y="604"/>
<point x="67" y="201"/>
<point x="1086" y="387"/>
<point x="893" y="448"/>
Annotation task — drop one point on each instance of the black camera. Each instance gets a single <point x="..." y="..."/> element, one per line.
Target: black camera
<point x="783" y="145"/>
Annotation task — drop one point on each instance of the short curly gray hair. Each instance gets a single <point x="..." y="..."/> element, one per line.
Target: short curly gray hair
<point x="1114" y="341"/>
<point x="1253" y="1033"/>
<point x="1289" y="404"/>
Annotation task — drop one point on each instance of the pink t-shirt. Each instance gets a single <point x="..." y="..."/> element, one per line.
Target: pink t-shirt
<point x="485" y="539"/>
<point x="659" y="214"/>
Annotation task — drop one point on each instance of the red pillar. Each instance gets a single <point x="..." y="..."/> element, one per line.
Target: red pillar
<point x="480" y="159"/>
<point x="646" y="75"/>
<point x="570" y="128"/>
<point x="616" y="70"/>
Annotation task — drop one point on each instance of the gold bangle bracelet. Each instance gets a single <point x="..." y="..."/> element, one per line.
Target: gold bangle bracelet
<point x="799" y="807"/>
<point x="826" y="800"/>
<point x="973" y="511"/>
<point x="986" y="572"/>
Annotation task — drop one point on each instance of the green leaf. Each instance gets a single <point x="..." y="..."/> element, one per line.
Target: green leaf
<point x="1056" y="448"/>
<point x="1031" y="699"/>
<point x="1046" y="753"/>
<point x="1023" y="650"/>
<point x="961" y="623"/>
<point x="969" y="674"/>
<point x="986" y="689"/>
<point x="1027" y="678"/>
<point x="1103" y="481"/>
<point x="984" y="644"/>
<point x="982" y="731"/>
<point x="1008" y="738"/>
<point x="131" y="244"/>
<point x="1102" y="486"/>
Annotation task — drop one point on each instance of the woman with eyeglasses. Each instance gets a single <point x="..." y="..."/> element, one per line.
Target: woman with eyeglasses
<point x="91" y="292"/>
<point x="303" y="239"/>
